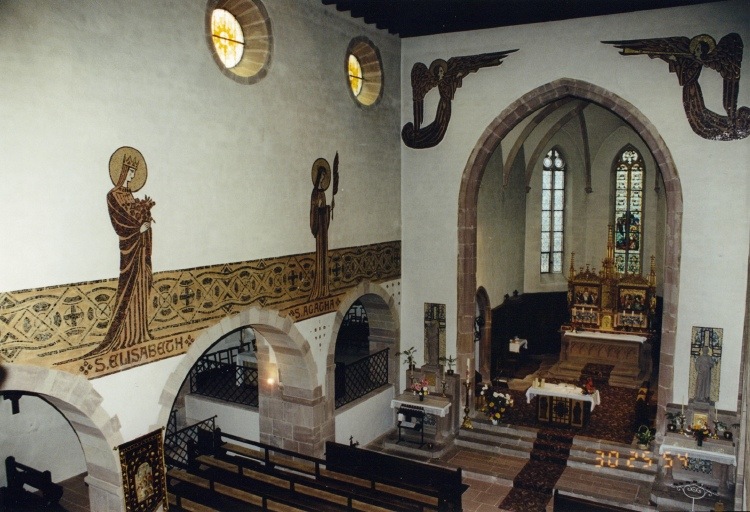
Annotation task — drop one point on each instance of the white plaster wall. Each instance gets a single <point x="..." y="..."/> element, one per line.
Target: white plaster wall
<point x="230" y="418"/>
<point x="229" y="164"/>
<point x="380" y="419"/>
<point x="713" y="175"/>
<point x="133" y="395"/>
<point x="39" y="436"/>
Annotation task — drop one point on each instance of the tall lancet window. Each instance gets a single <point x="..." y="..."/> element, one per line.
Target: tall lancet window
<point x="553" y="204"/>
<point x="629" y="178"/>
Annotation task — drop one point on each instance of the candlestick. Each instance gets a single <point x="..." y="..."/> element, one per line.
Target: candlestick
<point x="467" y="420"/>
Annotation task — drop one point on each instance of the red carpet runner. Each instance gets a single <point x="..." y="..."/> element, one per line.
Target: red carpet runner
<point x="533" y="485"/>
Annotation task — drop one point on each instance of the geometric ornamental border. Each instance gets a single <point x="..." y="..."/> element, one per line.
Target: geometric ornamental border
<point x="56" y="327"/>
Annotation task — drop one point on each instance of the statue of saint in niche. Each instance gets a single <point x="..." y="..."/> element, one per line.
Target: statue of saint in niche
<point x="703" y="366"/>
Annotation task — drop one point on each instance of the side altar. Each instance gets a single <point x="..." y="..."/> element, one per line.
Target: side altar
<point x="611" y="314"/>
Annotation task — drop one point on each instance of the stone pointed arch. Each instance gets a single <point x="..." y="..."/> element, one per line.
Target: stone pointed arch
<point x="79" y="402"/>
<point x="469" y="190"/>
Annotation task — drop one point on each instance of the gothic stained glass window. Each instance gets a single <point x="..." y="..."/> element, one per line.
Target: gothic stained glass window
<point x="629" y="180"/>
<point x="553" y="205"/>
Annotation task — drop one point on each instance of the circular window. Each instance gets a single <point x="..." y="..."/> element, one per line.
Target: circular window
<point x="238" y="33"/>
<point x="364" y="71"/>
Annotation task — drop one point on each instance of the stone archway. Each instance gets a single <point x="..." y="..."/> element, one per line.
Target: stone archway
<point x="467" y="211"/>
<point x="291" y="405"/>
<point x="383" y="318"/>
<point x="78" y="401"/>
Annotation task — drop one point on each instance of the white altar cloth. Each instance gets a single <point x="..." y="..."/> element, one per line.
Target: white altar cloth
<point x="436" y="405"/>
<point x="615" y="336"/>
<point x="686" y="446"/>
<point x="516" y="344"/>
<point x="564" y="391"/>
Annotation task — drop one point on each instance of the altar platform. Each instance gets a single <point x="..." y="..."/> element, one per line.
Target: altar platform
<point x="629" y="354"/>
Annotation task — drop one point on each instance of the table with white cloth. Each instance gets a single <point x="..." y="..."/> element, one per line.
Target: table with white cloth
<point x="563" y="404"/>
<point x="709" y="464"/>
<point x="436" y="410"/>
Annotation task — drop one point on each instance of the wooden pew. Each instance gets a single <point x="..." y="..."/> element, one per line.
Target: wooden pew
<point x="394" y="474"/>
<point x="19" y="476"/>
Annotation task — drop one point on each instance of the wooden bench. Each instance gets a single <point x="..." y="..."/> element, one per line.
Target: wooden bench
<point x="413" y="421"/>
<point x="19" y="476"/>
<point x="392" y="473"/>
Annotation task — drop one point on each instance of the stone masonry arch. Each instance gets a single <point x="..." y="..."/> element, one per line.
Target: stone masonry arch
<point x="467" y="211"/>
<point x="383" y="318"/>
<point x="291" y="404"/>
<point x="99" y="433"/>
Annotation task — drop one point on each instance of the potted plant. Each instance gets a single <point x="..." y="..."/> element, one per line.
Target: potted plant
<point x="449" y="361"/>
<point x="409" y="353"/>
<point x="495" y="403"/>
<point x="644" y="435"/>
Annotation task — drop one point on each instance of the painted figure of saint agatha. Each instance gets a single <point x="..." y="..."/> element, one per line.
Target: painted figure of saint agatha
<point x="320" y="218"/>
<point x="131" y="219"/>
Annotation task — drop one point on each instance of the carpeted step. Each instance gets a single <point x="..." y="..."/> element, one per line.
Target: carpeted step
<point x="523" y="500"/>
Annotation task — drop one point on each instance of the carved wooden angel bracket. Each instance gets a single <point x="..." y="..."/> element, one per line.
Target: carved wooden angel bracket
<point x="447" y="76"/>
<point x="686" y="58"/>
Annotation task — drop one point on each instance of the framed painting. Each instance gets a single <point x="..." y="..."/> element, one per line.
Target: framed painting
<point x="586" y="295"/>
<point x="632" y="299"/>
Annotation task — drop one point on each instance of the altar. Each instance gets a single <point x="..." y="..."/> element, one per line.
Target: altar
<point x="709" y="464"/>
<point x="563" y="404"/>
<point x="433" y="414"/>
<point x="628" y="354"/>
<point x="612" y="315"/>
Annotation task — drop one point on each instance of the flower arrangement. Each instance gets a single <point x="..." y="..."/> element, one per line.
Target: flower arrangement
<point x="700" y="432"/>
<point x="420" y="388"/>
<point x="495" y="403"/>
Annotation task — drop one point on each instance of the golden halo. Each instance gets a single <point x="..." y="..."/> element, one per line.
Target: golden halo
<point x="115" y="167"/>
<point x="326" y="181"/>
<point x="438" y="63"/>
<point x="703" y="38"/>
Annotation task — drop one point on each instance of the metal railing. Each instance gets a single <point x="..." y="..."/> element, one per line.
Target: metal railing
<point x="217" y="376"/>
<point x="183" y="445"/>
<point x="355" y="380"/>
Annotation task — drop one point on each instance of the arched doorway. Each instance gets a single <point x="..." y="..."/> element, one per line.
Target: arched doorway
<point x="291" y="396"/>
<point x="76" y="399"/>
<point x="381" y="308"/>
<point x="472" y="177"/>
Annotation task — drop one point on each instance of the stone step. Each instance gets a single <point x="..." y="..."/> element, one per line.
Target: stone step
<point x="596" y="455"/>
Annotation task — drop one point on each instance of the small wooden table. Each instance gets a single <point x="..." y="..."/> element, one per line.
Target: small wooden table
<point x="563" y="404"/>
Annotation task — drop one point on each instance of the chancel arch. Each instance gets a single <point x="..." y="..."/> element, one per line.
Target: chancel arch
<point x="99" y="433"/>
<point x="506" y="121"/>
